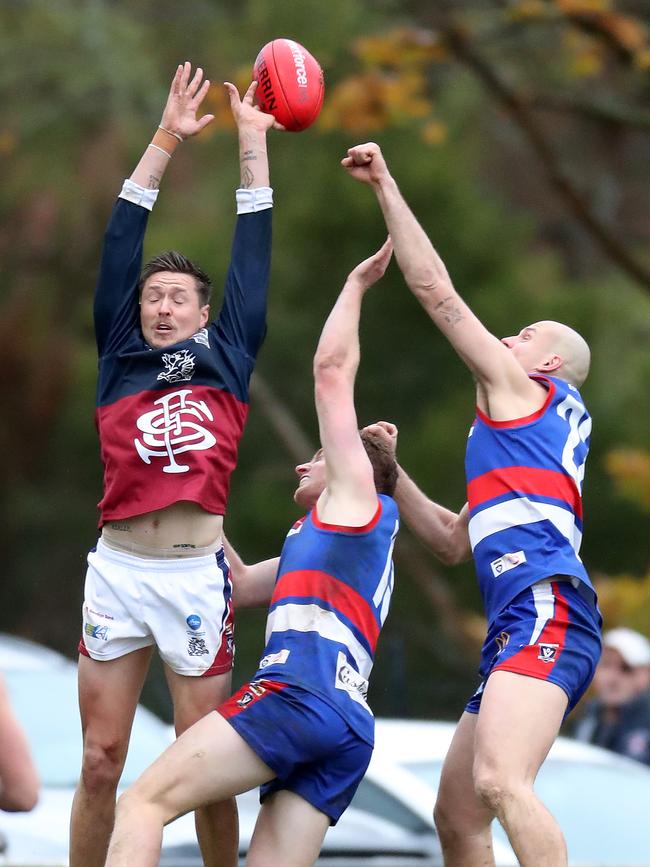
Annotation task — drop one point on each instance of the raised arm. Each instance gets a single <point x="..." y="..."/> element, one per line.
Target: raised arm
<point x="179" y="121"/>
<point x="350" y="498"/>
<point x="242" y="318"/>
<point x="252" y="126"/>
<point x="252" y="586"/>
<point x="443" y="531"/>
<point x="116" y="300"/>
<point x="491" y="363"/>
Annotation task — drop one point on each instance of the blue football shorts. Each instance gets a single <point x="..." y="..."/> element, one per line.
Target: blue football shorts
<point x="311" y="748"/>
<point x="550" y="631"/>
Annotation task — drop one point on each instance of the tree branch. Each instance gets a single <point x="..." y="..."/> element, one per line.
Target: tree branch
<point x="609" y="113"/>
<point x="284" y="423"/>
<point x="520" y="112"/>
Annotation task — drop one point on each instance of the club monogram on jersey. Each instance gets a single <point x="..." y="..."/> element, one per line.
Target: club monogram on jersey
<point x="177" y="426"/>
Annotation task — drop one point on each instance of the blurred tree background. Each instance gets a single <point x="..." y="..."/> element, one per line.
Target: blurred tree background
<point x="518" y="131"/>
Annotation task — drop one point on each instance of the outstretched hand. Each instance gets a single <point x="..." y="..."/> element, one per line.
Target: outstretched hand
<point x="374" y="267"/>
<point x="245" y="112"/>
<point x="366" y="163"/>
<point x="184" y="100"/>
<point x="385" y="431"/>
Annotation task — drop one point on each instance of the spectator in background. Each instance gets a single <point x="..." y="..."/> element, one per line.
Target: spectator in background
<point x="619" y="717"/>
<point x="19" y="783"/>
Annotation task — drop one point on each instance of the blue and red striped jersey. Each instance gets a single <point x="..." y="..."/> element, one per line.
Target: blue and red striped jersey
<point x="524" y="490"/>
<point x="330" y="601"/>
<point x="170" y="420"/>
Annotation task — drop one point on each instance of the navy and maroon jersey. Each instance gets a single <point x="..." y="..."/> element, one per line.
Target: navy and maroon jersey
<point x="330" y="601"/>
<point x="170" y="420"/>
<point x="524" y="490"/>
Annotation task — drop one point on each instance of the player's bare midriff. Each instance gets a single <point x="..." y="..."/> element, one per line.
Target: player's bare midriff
<point x="182" y="529"/>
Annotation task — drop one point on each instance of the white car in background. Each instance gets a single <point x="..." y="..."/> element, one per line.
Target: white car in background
<point x="42" y="685"/>
<point x="601" y="800"/>
<point x="43" y="689"/>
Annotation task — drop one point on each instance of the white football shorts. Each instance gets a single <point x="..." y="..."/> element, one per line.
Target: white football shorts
<point x="182" y="605"/>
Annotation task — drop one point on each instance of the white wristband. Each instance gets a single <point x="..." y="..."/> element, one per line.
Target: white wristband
<point x="256" y="199"/>
<point x="133" y="192"/>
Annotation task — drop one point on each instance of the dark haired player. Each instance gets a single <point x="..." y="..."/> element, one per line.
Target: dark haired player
<point x="523" y="524"/>
<point x="172" y="401"/>
<point x="302" y="727"/>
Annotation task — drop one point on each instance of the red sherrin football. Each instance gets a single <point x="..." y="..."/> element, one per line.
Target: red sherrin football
<point x="290" y="85"/>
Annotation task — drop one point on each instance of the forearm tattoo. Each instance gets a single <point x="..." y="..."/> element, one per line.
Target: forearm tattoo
<point x="450" y="310"/>
<point x="124" y="528"/>
<point x="247" y="177"/>
<point x="154" y="182"/>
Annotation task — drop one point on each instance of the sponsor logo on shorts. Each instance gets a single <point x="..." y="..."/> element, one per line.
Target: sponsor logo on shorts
<point x="98" y="632"/>
<point x="253" y="692"/>
<point x="256" y="688"/>
<point x="196" y="646"/>
<point x="230" y="641"/>
<point x="278" y="658"/>
<point x="502" y="640"/>
<point x="101" y="614"/>
<point x="507" y="562"/>
<point x="193" y="621"/>
<point x="547" y="652"/>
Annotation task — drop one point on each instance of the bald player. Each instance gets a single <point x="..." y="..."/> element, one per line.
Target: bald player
<point x="522" y="523"/>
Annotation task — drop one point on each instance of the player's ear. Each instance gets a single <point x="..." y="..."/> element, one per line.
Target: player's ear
<point x="553" y="362"/>
<point x="205" y="314"/>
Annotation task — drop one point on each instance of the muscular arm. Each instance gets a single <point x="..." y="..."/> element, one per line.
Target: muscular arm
<point x="500" y="376"/>
<point x="252" y="585"/>
<point x="443" y="531"/>
<point x="350" y="497"/>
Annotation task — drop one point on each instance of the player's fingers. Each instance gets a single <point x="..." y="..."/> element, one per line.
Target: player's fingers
<point x="233" y="93"/>
<point x="185" y="75"/>
<point x="250" y="93"/>
<point x="195" y="83"/>
<point x="177" y="78"/>
<point x="385" y="427"/>
<point x="361" y="158"/>
<point x="200" y="96"/>
<point x="204" y="121"/>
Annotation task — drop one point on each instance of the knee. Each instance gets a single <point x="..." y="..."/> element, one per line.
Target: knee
<point x="495" y="789"/>
<point x="458" y="816"/>
<point x="128" y="804"/>
<point x="102" y="765"/>
<point x="443" y="816"/>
